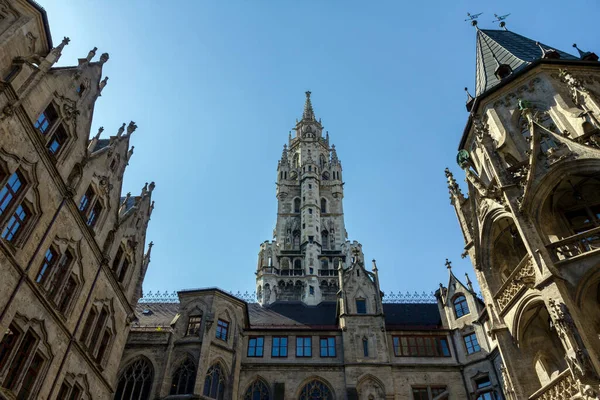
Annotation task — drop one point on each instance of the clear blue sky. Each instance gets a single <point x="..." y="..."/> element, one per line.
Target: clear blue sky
<point x="215" y="86"/>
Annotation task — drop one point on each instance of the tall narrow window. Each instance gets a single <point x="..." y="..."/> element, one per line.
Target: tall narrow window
<point x="117" y="260"/>
<point x="361" y="306"/>
<point x="460" y="306"/>
<point x="60" y="275"/>
<point x="57" y="140"/>
<point x="184" y="378"/>
<point x="10" y="190"/>
<point x="103" y="346"/>
<point x="98" y="328"/>
<point x="222" y="329"/>
<point x="323" y="206"/>
<point x="324" y="239"/>
<point x="30" y="377"/>
<point x="123" y="271"/>
<point x="365" y="343"/>
<point x="16" y="223"/>
<point x="9" y="341"/>
<point x="76" y="393"/>
<point x="327" y="347"/>
<point x="193" y="328"/>
<point x="89" y="322"/>
<point x="67" y="295"/>
<point x="18" y="363"/>
<point x="214" y="383"/>
<point x="64" y="391"/>
<point x="94" y="214"/>
<point x="46" y="119"/>
<point x="47" y="264"/>
<point x="296" y="205"/>
<point x="90" y="207"/>
<point x="86" y="199"/>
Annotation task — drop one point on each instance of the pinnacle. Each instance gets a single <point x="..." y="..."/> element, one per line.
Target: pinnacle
<point x="308" y="114"/>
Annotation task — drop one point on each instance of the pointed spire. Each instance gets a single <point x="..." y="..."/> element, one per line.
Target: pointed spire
<point x="548" y="53"/>
<point x="284" y="155"/>
<point x="586" y="55"/>
<point x="334" y="157"/>
<point x="308" y="114"/>
<point x="469" y="283"/>
<point x="470" y="100"/>
<point x="130" y="153"/>
<point x="147" y="257"/>
<point x="453" y="187"/>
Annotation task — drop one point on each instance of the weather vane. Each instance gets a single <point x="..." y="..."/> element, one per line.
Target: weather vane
<point x="473" y="17"/>
<point x="501" y="19"/>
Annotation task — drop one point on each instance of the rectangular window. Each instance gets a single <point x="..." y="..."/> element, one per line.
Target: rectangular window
<point x="437" y="390"/>
<point x="9" y="341"/>
<point x="420" y="393"/>
<point x="471" y="343"/>
<point x="57" y="140"/>
<point x="46" y="270"/>
<point x="103" y="346"/>
<point x="67" y="295"/>
<point x="60" y="275"/>
<point x="256" y="346"/>
<point x="30" y="376"/>
<point x="18" y="363"/>
<point x="64" y="391"/>
<point x="15" y="223"/>
<point x="327" y="347"/>
<point x="86" y="199"/>
<point x="94" y="214"/>
<point x="193" y="328"/>
<point x="304" y="346"/>
<point x="222" y="328"/>
<point x="46" y="119"/>
<point x="118" y="257"/>
<point x="279" y="346"/>
<point x="421" y="346"/>
<point x="98" y="329"/>
<point x="361" y="306"/>
<point x="87" y="328"/>
<point x="427" y="392"/>
<point x="123" y="271"/>
<point x="76" y="393"/>
<point x="365" y="348"/>
<point x="10" y="190"/>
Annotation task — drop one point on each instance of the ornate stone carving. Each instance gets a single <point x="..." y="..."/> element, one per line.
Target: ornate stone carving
<point x="522" y="278"/>
<point x="560" y="389"/>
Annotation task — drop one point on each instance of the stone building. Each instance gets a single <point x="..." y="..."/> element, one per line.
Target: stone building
<point x="531" y="218"/>
<point x="71" y="247"/>
<point x="321" y="328"/>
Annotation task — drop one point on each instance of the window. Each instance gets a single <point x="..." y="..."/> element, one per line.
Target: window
<point x="184" y="378"/>
<point x="10" y="190"/>
<point x="9" y="341"/>
<point x="256" y="346"/>
<point x="483" y="388"/>
<point x="68" y="293"/>
<point x="93" y="216"/>
<point x="421" y="346"/>
<point x="258" y="390"/>
<point x="46" y="270"/>
<point x="327" y="346"/>
<point x="193" y="328"/>
<point x="87" y="328"/>
<point x="310" y="210"/>
<point x="86" y="199"/>
<point x="90" y="207"/>
<point x="296" y="205"/>
<point x="311" y="290"/>
<point x="30" y="377"/>
<point x="279" y="346"/>
<point x="57" y="140"/>
<point x="361" y="306"/>
<point x="304" y="346"/>
<point x="59" y="277"/>
<point x="461" y="307"/>
<point x="323" y="206"/>
<point x="214" y="383"/>
<point x="222" y="328"/>
<point x="16" y="223"/>
<point x="46" y="119"/>
<point x="103" y="346"/>
<point x="135" y="382"/>
<point x="309" y="185"/>
<point x="316" y="390"/>
<point x="120" y="265"/>
<point x="70" y="392"/>
<point x="123" y="271"/>
<point x="427" y="392"/>
<point x="365" y="343"/>
<point x="471" y="343"/>
<point x="80" y="89"/>
<point x="98" y="329"/>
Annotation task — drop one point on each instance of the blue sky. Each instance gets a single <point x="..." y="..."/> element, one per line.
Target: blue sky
<point x="215" y="86"/>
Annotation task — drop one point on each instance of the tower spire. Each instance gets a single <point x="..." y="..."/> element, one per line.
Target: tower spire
<point x="308" y="114"/>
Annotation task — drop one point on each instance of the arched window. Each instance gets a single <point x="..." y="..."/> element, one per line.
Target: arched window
<point x="323" y="206"/>
<point x="296" y="239"/>
<point x="214" y="383"/>
<point x="460" y="306"/>
<point x="257" y="391"/>
<point x="136" y="381"/>
<point x="316" y="390"/>
<point x="296" y="205"/>
<point x="324" y="239"/>
<point x="184" y="378"/>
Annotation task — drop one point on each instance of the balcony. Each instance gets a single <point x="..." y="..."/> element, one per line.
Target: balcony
<point x="519" y="280"/>
<point x="268" y="270"/>
<point x="327" y="272"/>
<point x="291" y="272"/>
<point x="561" y="387"/>
<point x="582" y="243"/>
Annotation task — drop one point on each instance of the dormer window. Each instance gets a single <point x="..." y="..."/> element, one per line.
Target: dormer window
<point x="361" y="306"/>
<point x="461" y="307"/>
<point x="46" y="119"/>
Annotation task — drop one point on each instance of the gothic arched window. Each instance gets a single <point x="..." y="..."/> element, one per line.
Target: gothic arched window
<point x="257" y="391"/>
<point x="214" y="383"/>
<point x="324" y="239"/>
<point x="184" y="378"/>
<point x="296" y="205"/>
<point x="136" y="381"/>
<point x="460" y="306"/>
<point x="316" y="390"/>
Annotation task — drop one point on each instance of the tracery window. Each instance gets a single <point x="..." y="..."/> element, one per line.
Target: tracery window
<point x="258" y="390"/>
<point x="135" y="383"/>
<point x="316" y="390"/>
<point x="49" y="126"/>
<point x="214" y="383"/>
<point x="461" y="307"/>
<point x="184" y="378"/>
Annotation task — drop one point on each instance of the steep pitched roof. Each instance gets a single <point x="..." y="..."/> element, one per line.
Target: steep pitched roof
<point x="412" y="316"/>
<point x="509" y="48"/>
<point x="293" y="314"/>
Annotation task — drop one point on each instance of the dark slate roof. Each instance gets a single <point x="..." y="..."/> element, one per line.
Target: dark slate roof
<point x="293" y="314"/>
<point x="102" y="143"/>
<point x="412" y="316"/>
<point x="509" y="48"/>
<point x="160" y="314"/>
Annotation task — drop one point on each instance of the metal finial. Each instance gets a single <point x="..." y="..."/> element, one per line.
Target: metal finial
<point x="448" y="264"/>
<point x="473" y="18"/>
<point x="469" y="97"/>
<point x="586" y="55"/>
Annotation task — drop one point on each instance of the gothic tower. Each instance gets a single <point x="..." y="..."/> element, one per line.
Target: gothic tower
<point x="310" y="236"/>
<point x="531" y="218"/>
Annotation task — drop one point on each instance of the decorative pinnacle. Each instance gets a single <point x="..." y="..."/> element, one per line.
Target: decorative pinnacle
<point x="374" y="266"/>
<point x="448" y="264"/>
<point x="586" y="55"/>
<point x="308" y="114"/>
<point x="469" y="97"/>
<point x="469" y="283"/>
<point x="548" y="53"/>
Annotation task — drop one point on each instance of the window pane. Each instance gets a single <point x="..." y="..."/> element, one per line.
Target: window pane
<point x="8" y="344"/>
<point x="361" y="306"/>
<point x="19" y="361"/>
<point x="30" y="377"/>
<point x="15" y="223"/>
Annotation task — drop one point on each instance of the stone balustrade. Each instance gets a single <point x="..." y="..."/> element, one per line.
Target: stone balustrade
<point x="522" y="277"/>
<point x="560" y="388"/>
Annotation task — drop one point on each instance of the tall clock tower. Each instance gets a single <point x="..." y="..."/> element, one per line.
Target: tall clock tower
<point x="309" y="243"/>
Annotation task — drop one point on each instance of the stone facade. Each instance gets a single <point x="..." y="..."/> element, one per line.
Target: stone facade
<point x="531" y="219"/>
<point x="71" y="247"/>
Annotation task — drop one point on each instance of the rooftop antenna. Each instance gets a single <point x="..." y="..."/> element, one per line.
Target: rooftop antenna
<point x="473" y="18"/>
<point x="501" y="19"/>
